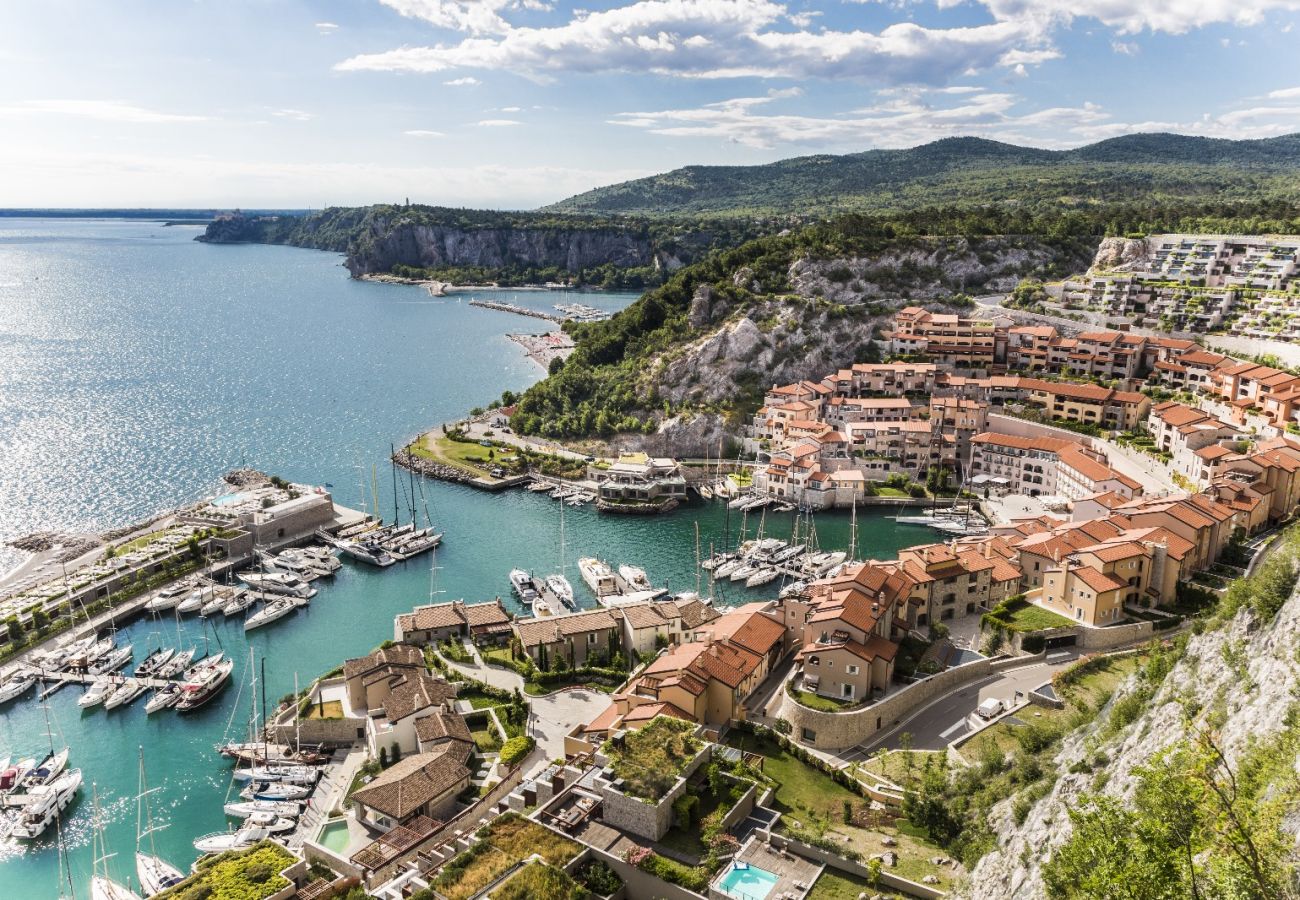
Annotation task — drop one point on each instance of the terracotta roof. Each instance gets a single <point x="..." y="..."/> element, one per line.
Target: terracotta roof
<point x="397" y="656"/>
<point x="414" y="693"/>
<point x="1214" y="451"/>
<point x="407" y="785"/>
<point x="696" y="612"/>
<point x="645" y="615"/>
<point x="1116" y="551"/>
<point x="553" y="629"/>
<point x="647" y="711"/>
<point x="1053" y="445"/>
<point x="1098" y="581"/>
<point x="752" y="630"/>
<point x="442" y="725"/>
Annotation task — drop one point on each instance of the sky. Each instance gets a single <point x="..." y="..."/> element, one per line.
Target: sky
<point x="518" y="103"/>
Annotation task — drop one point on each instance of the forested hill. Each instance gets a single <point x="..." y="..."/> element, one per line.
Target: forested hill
<point x="967" y="171"/>
<point x="687" y="364"/>
<point x="469" y="246"/>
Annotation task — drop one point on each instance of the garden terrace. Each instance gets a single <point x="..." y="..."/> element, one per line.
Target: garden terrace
<point x="541" y="882"/>
<point x="251" y="874"/>
<point x="650" y="760"/>
<point x="1018" y="614"/>
<point x="502" y="844"/>
<point x="395" y="842"/>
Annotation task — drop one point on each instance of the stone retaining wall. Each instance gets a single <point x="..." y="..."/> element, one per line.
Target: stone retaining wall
<point x="887" y="879"/>
<point x="840" y="730"/>
<point x="642" y="817"/>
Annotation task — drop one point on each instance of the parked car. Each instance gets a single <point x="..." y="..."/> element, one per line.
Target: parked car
<point x="990" y="708"/>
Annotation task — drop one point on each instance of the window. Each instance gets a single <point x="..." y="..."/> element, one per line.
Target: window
<point x="809" y="735"/>
<point x="846" y="691"/>
<point x="591" y="639"/>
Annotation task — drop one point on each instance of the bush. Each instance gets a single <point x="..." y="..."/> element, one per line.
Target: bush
<point x="516" y="749"/>
<point x="597" y="877"/>
<point x="1033" y="643"/>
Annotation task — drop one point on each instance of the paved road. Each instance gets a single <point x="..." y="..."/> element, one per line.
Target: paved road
<point x="949" y="717"/>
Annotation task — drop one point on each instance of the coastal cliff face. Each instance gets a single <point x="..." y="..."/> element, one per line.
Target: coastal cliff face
<point x="405" y="240"/>
<point x="1116" y="252"/>
<point x="385" y="244"/>
<point x="1236" y="683"/>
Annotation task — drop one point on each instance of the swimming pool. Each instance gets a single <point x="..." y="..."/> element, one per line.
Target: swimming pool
<point x="227" y="499"/>
<point x="334" y="836"/>
<point x="747" y="882"/>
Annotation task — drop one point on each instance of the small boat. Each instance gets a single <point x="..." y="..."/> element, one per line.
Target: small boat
<point x="169" y="597"/>
<point x="240" y="602"/>
<point x="285" y="583"/>
<point x="322" y="557"/>
<point x="291" y="774"/>
<point x="563" y="591"/>
<point x="117" y="659"/>
<point x="725" y="569"/>
<point x="538" y="487"/>
<point x="738" y="502"/>
<point x="246" y="836"/>
<point x="213" y="605"/>
<point x="276" y="790"/>
<point x="706" y="492"/>
<point x="635" y="576"/>
<point x="44" y="805"/>
<point x="273" y="610"/>
<point x="762" y="577"/>
<point x="245" y="808"/>
<point x="47" y="770"/>
<point x="155" y="661"/>
<point x="745" y="572"/>
<point x="793" y="589"/>
<point x="371" y="554"/>
<point x="127" y="692"/>
<point x="193" y="602"/>
<point x="19" y="683"/>
<point x="521" y="583"/>
<point x="542" y="607"/>
<point x="163" y="698"/>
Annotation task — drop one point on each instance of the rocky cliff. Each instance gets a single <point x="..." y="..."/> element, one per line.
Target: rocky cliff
<point x="1235" y="682"/>
<point x="1116" y="252"/>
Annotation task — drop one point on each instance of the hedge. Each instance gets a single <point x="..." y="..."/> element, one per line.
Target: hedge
<point x="516" y="749"/>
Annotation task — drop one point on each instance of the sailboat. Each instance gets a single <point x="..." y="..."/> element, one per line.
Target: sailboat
<point x="558" y="583"/>
<point x="102" y="887"/>
<point x="154" y="872"/>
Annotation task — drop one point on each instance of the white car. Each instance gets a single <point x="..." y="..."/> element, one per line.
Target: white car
<point x="990" y="708"/>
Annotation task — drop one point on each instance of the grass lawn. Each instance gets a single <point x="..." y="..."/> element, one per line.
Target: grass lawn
<point x="651" y="759"/>
<point x="1026" y="616"/>
<point x="1092" y="690"/>
<point x="817" y="701"/>
<point x="833" y="885"/>
<point x="884" y="491"/>
<point x="687" y="840"/>
<point x="892" y="765"/>
<point x="540" y="882"/>
<point x="249" y="874"/>
<point x="477" y="699"/>
<point x="330" y="709"/>
<point x="808" y="796"/>
<point x="507" y="840"/>
<point x="468" y="456"/>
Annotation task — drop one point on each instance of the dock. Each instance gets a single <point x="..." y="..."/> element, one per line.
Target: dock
<point x="65" y="678"/>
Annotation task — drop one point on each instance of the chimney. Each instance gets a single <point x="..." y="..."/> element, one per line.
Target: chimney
<point x="713" y="649"/>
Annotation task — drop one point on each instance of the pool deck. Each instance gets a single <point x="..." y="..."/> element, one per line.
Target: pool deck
<point x="795" y="875"/>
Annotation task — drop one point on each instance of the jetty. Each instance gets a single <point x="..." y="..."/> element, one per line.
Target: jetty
<point x="517" y="310"/>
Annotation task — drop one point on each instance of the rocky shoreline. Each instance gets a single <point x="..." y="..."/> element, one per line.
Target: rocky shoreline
<point x="443" y="472"/>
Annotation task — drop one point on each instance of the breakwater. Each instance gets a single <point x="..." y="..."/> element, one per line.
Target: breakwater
<point x="517" y="310"/>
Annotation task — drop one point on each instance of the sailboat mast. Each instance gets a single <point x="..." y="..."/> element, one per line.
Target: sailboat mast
<point x="297" y="718"/>
<point x="392" y="465"/>
<point x="697" y="557"/>
<point x="853" y="532"/>
<point x="265" y="748"/>
<point x="410" y="476"/>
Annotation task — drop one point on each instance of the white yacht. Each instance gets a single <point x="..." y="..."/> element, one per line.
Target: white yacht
<point x="521" y="583"/>
<point x="291" y="774"/>
<point x="761" y="577"/>
<point x="247" y="836"/>
<point x="44" y="805"/>
<point x="155" y="661"/>
<point x="169" y="597"/>
<point x="155" y="873"/>
<point x="560" y="587"/>
<point x="192" y="602"/>
<point x="48" y="770"/>
<point x="177" y="664"/>
<point x="240" y="602"/>
<point x="276" y="790"/>
<point x="322" y="557"/>
<point x="163" y="698"/>
<point x="635" y="577"/>
<point x="197" y="692"/>
<point x="285" y="583"/>
<point x="598" y="576"/>
<point x="273" y="610"/>
<point x="117" y="659"/>
<point x="19" y="683"/>
<point x="127" y="692"/>
<point x="366" y="552"/>
<point x="245" y="808"/>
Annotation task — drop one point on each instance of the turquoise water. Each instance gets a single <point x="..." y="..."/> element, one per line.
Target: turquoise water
<point x="136" y="366"/>
<point x="749" y="883"/>
<point x="334" y="836"/>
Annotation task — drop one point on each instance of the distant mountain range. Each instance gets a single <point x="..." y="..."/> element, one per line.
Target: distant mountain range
<point x="967" y="171"/>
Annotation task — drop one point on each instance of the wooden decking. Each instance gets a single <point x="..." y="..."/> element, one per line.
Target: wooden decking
<point x="795" y="875"/>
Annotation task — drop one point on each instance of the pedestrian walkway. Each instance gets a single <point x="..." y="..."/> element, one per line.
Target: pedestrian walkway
<point x="497" y="677"/>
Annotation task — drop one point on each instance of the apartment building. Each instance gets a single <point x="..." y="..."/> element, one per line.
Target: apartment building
<point x="948" y="340"/>
<point x="1044" y="466"/>
<point x="1194" y="439"/>
<point x="1088" y="403"/>
<point x="882" y="379"/>
<point x="958" y="579"/>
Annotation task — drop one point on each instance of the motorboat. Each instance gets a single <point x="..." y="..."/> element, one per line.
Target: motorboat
<point x="285" y="583"/>
<point x="291" y="774"/>
<point x="155" y="661"/>
<point x="196" y="694"/>
<point x="47" y="770"/>
<point x="177" y="664"/>
<point x="286" y="563"/>
<point x="163" y="698"/>
<point x="793" y="589"/>
<point x="245" y="808"/>
<point x="560" y="587"/>
<point x="192" y="602"/>
<point x="635" y="576"/>
<point x="276" y="790"/>
<point x="117" y="659"/>
<point x="521" y="583"/>
<point x="127" y="692"/>
<point x="762" y="577"/>
<point x="542" y="607"/>
<point x="273" y="610"/>
<point x="322" y="557"/>
<point x="221" y="841"/>
<point x="11" y="779"/>
<point x="44" y="805"/>
<point x="598" y="576"/>
<point x="19" y="683"/>
<point x="169" y="597"/>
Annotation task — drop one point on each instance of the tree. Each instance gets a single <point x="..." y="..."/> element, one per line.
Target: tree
<point x="383" y="757"/>
<point x="395" y="755"/>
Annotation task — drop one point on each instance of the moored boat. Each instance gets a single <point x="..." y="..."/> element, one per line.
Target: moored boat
<point x="45" y="804"/>
<point x="19" y="683"/>
<point x="273" y="610"/>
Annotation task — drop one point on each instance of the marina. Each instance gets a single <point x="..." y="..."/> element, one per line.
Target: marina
<point x="331" y="426"/>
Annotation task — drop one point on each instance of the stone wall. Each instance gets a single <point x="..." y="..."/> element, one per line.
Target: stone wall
<point x="1087" y="638"/>
<point x="887" y="879"/>
<point x="1003" y="424"/>
<point x="839" y="730"/>
<point x="649" y="820"/>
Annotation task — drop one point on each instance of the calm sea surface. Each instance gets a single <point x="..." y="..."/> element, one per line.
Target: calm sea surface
<point x="136" y="366"/>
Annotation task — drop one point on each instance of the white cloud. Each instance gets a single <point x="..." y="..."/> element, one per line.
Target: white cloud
<point x="326" y="28"/>
<point x="423" y="133"/>
<point x="474" y="16"/>
<point x="1285" y="94"/>
<point x="721" y="39"/>
<point x="296" y="115"/>
<point x="510" y="109"/>
<point x="1125" y="48"/>
<point x="100" y="110"/>
<point x="497" y="123"/>
<point x="467" y="81"/>
<point x="1136" y="16"/>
